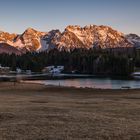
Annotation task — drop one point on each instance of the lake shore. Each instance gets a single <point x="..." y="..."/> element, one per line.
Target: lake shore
<point x="34" y="111"/>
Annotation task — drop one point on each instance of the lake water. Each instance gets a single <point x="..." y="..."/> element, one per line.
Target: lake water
<point x="100" y="83"/>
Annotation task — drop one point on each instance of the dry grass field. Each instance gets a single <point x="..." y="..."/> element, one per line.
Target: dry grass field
<point x="37" y="112"/>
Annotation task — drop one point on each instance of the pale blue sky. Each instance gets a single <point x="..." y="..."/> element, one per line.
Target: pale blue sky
<point x="44" y="15"/>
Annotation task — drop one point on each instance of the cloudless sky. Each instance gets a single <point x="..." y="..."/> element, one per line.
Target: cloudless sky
<point x="44" y="15"/>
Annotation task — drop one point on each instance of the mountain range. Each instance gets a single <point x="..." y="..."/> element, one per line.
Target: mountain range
<point x="72" y="37"/>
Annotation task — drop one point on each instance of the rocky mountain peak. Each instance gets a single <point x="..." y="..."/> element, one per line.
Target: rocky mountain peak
<point x="74" y="36"/>
<point x="72" y="27"/>
<point x="134" y="39"/>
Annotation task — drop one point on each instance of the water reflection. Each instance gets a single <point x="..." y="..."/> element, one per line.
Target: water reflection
<point x="104" y="83"/>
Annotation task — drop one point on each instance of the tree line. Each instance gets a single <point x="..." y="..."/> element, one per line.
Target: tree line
<point x="92" y="61"/>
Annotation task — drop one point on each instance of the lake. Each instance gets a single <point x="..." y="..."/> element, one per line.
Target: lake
<point x="99" y="83"/>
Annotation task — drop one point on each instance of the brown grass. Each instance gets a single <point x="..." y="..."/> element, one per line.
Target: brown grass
<point x="36" y="112"/>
